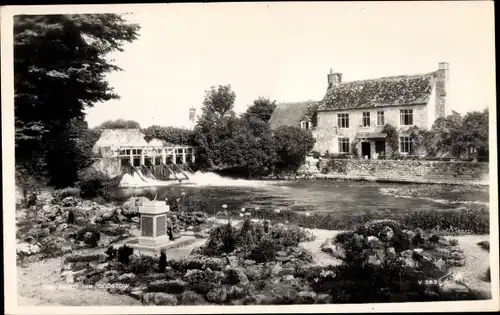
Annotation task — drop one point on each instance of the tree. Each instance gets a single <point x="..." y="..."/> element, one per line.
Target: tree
<point x="443" y="135"/>
<point x="474" y="133"/>
<point x="262" y="108"/>
<point x="217" y="123"/>
<point x="292" y="144"/>
<point x="169" y="134"/>
<point x="60" y="64"/>
<point x="119" y="124"/>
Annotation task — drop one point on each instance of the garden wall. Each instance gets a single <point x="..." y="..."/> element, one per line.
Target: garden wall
<point x="407" y="170"/>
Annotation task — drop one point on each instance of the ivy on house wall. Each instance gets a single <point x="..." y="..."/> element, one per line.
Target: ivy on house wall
<point x="392" y="137"/>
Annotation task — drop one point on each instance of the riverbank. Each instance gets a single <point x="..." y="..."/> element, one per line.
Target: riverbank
<point x="399" y="180"/>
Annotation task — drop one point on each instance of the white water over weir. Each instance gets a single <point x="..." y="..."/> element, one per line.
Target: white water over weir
<point x="197" y="179"/>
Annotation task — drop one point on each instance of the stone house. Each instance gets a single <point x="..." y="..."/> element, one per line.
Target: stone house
<point x="352" y="115"/>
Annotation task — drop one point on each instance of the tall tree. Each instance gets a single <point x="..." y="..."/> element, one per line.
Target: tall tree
<point x="474" y="133"/>
<point x="60" y="64"/>
<point x="262" y="108"/>
<point x="217" y="123"/>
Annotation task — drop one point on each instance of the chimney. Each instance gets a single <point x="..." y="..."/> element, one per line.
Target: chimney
<point x="334" y="78"/>
<point x="442" y="78"/>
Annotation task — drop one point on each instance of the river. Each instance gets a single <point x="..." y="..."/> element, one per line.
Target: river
<point x="343" y="197"/>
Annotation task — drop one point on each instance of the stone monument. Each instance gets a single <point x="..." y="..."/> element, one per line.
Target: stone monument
<point x="153" y="226"/>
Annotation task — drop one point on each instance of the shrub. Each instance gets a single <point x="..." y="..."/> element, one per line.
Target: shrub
<point x="71" y="216"/>
<point x="93" y="183"/>
<point x="139" y="265"/>
<point x="89" y="234"/>
<point x="163" y="261"/>
<point x="124" y="254"/>
<point x="60" y="194"/>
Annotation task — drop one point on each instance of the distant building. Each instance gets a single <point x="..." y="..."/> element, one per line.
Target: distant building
<point x="351" y="116"/>
<point x="119" y="147"/>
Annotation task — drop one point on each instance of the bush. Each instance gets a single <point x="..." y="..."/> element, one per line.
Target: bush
<point x="163" y="261"/>
<point x="124" y="254"/>
<point x="60" y="194"/>
<point x="93" y="184"/>
<point x="89" y="234"/>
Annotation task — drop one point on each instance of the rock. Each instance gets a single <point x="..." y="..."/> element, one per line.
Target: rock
<point x="67" y="266"/>
<point x="281" y="253"/>
<point x="217" y="295"/>
<point x="457" y="255"/>
<point x="232" y="261"/>
<point x="374" y="242"/>
<point x="287" y="277"/>
<point x="148" y="298"/>
<point x="276" y="270"/>
<point x="453" y="287"/>
<point x="66" y="249"/>
<point x="434" y="238"/>
<point x="440" y="264"/>
<point x="287" y="271"/>
<point x="236" y="276"/>
<point x="386" y="234"/>
<point x="102" y="266"/>
<point x="323" y="298"/>
<point x="418" y="251"/>
<point x="282" y="259"/>
<point x="192" y="298"/>
<point x="374" y="261"/>
<point x="119" y="288"/>
<point x="61" y="228"/>
<point x="380" y="253"/>
<point x="70" y="202"/>
<point x="409" y="262"/>
<point x="307" y="297"/>
<point x="27" y="249"/>
<point x="390" y="251"/>
<point x="161" y="298"/>
<point x="127" y="276"/>
<point x="335" y="250"/>
<point x="79" y="266"/>
<point x="235" y="292"/>
<point x="253" y="272"/>
<point x="136" y="294"/>
<point x="249" y="262"/>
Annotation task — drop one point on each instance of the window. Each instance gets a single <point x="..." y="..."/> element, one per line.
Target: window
<point x="406" y="117"/>
<point x="305" y="125"/>
<point x="343" y="145"/>
<point x="380" y="119"/>
<point x="405" y="145"/>
<point x="366" y="119"/>
<point x="343" y="120"/>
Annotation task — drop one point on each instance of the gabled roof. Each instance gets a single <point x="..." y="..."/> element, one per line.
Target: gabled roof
<point x="291" y="114"/>
<point x="387" y="91"/>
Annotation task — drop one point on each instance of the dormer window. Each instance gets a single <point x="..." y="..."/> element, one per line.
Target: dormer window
<point x="305" y="125"/>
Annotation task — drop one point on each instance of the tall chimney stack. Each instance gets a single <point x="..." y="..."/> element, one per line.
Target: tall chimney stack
<point x="334" y="78"/>
<point x="442" y="78"/>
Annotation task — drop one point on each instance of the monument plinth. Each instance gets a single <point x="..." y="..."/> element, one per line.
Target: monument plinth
<point x="153" y="224"/>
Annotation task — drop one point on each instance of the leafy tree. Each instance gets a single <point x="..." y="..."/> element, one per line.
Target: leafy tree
<point x="292" y="144"/>
<point x="119" y="124"/>
<point x="474" y="133"/>
<point x="444" y="133"/>
<point x="262" y="108"/>
<point x="169" y="134"/>
<point x="217" y="123"/>
<point x="60" y="63"/>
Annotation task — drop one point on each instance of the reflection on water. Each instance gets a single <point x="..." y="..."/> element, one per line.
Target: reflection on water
<point x="343" y="197"/>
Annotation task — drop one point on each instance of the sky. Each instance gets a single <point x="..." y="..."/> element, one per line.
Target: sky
<point x="284" y="52"/>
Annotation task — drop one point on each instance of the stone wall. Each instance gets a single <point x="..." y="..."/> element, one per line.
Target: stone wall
<point x="424" y="170"/>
